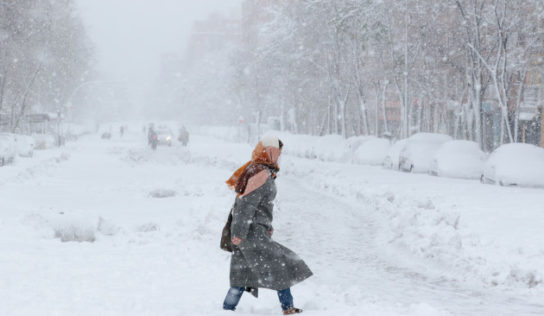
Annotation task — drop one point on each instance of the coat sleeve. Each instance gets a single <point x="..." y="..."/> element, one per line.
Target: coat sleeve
<point x="244" y="210"/>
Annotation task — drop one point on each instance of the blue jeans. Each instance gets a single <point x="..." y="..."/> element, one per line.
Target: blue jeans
<point x="235" y="294"/>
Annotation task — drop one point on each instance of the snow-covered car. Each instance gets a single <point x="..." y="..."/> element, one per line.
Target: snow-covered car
<point x="43" y="141"/>
<point x="372" y="152"/>
<point x="8" y="149"/>
<point x="354" y="142"/>
<point x="515" y="165"/>
<point x="164" y="136"/>
<point x="417" y="155"/>
<point x="331" y="148"/>
<point x="458" y="159"/>
<point x="391" y="160"/>
<point x="25" y="145"/>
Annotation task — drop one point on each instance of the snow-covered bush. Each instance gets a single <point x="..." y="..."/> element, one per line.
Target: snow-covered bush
<point x="147" y="227"/>
<point x="162" y="193"/>
<point x="74" y="231"/>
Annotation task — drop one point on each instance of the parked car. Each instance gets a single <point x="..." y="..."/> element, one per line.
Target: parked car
<point x="25" y="145"/>
<point x="43" y="141"/>
<point x="417" y="155"/>
<point x="391" y="160"/>
<point x="164" y="136"/>
<point x="515" y="165"/>
<point x="372" y="152"/>
<point x="354" y="142"/>
<point x="458" y="159"/>
<point x="8" y="149"/>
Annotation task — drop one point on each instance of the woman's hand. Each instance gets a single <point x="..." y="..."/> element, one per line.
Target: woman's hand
<point x="236" y="241"/>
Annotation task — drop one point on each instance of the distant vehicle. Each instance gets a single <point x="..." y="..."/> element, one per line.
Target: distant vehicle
<point x="515" y="165"/>
<point x="183" y="136"/>
<point x="458" y="159"/>
<point x="106" y="135"/>
<point x="8" y="149"/>
<point x="417" y="155"/>
<point x="25" y="145"/>
<point x="43" y="141"/>
<point x="164" y="136"/>
<point x="391" y="160"/>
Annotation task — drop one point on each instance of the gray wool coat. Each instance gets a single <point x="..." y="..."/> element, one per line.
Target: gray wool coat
<point x="260" y="262"/>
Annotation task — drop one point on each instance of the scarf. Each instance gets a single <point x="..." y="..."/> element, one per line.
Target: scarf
<point x="260" y="160"/>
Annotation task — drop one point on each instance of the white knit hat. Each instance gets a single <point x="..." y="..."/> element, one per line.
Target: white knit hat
<point x="271" y="141"/>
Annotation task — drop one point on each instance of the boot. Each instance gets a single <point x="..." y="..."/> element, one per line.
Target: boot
<point x="292" y="310"/>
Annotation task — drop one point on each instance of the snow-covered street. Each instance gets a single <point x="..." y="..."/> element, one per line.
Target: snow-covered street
<point x="141" y="235"/>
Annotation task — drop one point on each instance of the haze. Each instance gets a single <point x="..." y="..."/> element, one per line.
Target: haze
<point x="129" y="36"/>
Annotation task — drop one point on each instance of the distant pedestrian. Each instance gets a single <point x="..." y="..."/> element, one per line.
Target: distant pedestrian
<point x="183" y="136"/>
<point x="257" y="261"/>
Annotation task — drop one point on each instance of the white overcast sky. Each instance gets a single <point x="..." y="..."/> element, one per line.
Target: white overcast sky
<point x="129" y="36"/>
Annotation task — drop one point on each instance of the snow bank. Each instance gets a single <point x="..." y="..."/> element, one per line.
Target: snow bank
<point x="443" y="228"/>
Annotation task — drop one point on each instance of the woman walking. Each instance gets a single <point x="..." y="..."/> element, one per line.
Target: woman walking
<point x="257" y="261"/>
